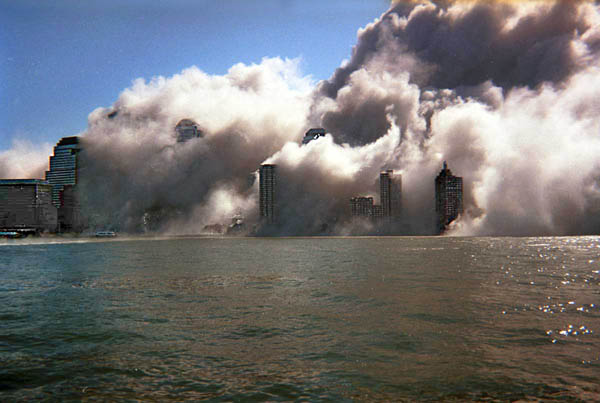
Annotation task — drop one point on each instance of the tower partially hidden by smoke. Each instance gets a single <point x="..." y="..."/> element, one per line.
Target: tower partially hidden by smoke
<point x="186" y="130"/>
<point x="390" y="188"/>
<point x="448" y="197"/>
<point x="313" y="134"/>
<point x="268" y="192"/>
<point x="63" y="166"/>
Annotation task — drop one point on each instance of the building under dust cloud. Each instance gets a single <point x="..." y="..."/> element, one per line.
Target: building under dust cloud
<point x="506" y="92"/>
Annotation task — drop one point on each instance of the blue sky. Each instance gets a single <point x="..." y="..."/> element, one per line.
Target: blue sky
<point x="60" y="60"/>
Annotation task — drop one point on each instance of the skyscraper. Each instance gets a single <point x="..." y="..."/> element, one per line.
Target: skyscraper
<point x="268" y="192"/>
<point x="390" y="188"/>
<point x="63" y="166"/>
<point x="186" y="130"/>
<point x="448" y="197"/>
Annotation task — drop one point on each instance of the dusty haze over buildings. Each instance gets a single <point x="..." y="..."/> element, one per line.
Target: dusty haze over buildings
<point x="506" y="92"/>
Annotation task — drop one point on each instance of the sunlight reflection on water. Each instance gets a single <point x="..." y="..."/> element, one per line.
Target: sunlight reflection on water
<point x="302" y="318"/>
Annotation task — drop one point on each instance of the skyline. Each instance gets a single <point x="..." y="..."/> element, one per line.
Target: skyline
<point x="505" y="92"/>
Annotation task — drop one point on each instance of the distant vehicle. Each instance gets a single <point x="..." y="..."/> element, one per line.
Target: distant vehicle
<point x="105" y="234"/>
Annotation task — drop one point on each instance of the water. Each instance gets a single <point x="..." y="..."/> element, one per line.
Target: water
<point x="367" y="319"/>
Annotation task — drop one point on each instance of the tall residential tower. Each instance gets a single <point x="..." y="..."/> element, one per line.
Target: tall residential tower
<point x="448" y="197"/>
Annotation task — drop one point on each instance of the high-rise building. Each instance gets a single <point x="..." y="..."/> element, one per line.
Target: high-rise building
<point x="63" y="166"/>
<point x="268" y="192"/>
<point x="448" y="197"/>
<point x="362" y="206"/>
<point x="390" y="187"/>
<point x="313" y="134"/>
<point x="186" y="130"/>
<point x="26" y="206"/>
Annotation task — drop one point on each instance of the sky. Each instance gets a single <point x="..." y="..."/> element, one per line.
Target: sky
<point x="60" y="60"/>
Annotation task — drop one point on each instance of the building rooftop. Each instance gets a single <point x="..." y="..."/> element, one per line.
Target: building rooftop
<point x="65" y="141"/>
<point x="186" y="122"/>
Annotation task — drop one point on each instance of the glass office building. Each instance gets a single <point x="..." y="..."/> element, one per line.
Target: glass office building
<point x="63" y="166"/>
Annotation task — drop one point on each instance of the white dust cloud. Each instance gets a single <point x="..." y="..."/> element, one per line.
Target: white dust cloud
<point x="24" y="160"/>
<point x="506" y="92"/>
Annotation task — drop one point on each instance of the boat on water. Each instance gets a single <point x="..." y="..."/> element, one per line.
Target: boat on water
<point x="105" y="234"/>
<point x="10" y="234"/>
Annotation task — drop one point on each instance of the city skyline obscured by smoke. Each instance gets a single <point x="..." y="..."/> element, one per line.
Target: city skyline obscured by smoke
<point x="506" y="92"/>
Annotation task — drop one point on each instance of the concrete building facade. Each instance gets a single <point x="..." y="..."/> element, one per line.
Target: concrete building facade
<point x="268" y="192"/>
<point x="448" y="197"/>
<point x="26" y="206"/>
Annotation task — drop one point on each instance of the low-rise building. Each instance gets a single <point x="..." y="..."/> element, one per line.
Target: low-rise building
<point x="362" y="206"/>
<point x="26" y="206"/>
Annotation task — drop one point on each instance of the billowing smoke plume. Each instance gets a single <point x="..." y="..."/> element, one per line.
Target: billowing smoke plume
<point x="506" y="92"/>
<point x="136" y="174"/>
<point x="24" y="160"/>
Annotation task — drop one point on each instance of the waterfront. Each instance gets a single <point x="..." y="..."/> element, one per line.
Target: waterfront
<point x="381" y="318"/>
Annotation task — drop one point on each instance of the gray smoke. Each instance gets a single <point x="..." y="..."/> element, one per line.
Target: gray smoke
<point x="461" y="47"/>
<point x="450" y="46"/>
<point x="506" y="92"/>
<point x="134" y="171"/>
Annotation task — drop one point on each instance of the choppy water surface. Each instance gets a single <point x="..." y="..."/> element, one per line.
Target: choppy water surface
<point x="302" y="319"/>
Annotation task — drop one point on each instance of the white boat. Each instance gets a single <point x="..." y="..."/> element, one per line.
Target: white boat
<point x="105" y="234"/>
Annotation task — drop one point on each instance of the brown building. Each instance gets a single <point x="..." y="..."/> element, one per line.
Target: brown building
<point x="26" y="206"/>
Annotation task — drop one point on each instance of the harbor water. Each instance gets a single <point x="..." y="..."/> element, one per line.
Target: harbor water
<point x="313" y="319"/>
